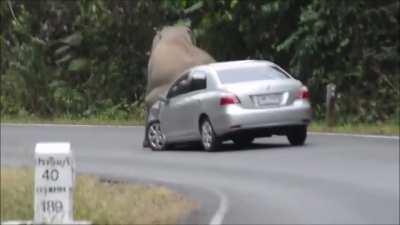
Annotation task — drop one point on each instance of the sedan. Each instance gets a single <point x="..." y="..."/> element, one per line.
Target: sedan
<point x="235" y="100"/>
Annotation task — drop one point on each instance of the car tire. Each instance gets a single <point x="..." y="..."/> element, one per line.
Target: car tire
<point x="297" y="135"/>
<point x="156" y="137"/>
<point x="243" y="140"/>
<point x="209" y="140"/>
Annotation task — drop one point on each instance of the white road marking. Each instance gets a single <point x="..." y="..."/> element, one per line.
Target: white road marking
<point x="222" y="209"/>
<point x="356" y="135"/>
<point x="66" y="125"/>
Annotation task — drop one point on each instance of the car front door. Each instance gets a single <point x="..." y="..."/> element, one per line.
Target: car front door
<point x="173" y="112"/>
<point x="179" y="118"/>
<point x="191" y="105"/>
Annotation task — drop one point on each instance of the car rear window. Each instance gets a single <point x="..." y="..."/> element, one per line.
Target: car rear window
<point x="254" y="73"/>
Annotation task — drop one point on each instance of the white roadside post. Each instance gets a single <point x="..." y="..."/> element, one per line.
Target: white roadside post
<point x="54" y="185"/>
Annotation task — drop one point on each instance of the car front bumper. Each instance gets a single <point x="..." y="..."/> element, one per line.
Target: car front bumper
<point x="234" y="118"/>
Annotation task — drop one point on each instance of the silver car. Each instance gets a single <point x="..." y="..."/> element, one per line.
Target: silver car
<point x="237" y="100"/>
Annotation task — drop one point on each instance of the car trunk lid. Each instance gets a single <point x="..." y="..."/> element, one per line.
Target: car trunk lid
<point x="265" y="94"/>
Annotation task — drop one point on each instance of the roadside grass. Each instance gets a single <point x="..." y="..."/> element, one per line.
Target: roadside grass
<point x="387" y="128"/>
<point x="98" y="202"/>
<point x="382" y="128"/>
<point x="66" y="119"/>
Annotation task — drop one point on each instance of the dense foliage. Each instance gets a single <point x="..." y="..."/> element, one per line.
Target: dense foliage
<point x="85" y="58"/>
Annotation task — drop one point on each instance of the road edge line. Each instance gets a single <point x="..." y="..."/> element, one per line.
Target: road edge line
<point x="67" y="125"/>
<point x="222" y="209"/>
<point x="356" y="135"/>
<point x="141" y="126"/>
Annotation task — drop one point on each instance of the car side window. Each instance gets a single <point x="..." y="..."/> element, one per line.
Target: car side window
<point x="181" y="86"/>
<point x="198" y="81"/>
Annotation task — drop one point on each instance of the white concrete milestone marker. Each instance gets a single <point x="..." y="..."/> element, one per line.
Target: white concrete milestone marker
<point x="54" y="183"/>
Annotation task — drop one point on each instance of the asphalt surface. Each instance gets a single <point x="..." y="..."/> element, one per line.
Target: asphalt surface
<point x="333" y="179"/>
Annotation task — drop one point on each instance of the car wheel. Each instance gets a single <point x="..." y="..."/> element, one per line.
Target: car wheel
<point x="297" y="135"/>
<point x="243" y="140"/>
<point x="155" y="136"/>
<point x="209" y="140"/>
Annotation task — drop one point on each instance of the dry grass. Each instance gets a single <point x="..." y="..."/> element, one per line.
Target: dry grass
<point x="99" y="202"/>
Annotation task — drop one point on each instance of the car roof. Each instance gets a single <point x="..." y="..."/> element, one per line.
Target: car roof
<point x="237" y="64"/>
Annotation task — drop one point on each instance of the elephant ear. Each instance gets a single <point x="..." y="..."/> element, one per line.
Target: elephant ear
<point x="191" y="35"/>
<point x="156" y="40"/>
<point x="202" y="57"/>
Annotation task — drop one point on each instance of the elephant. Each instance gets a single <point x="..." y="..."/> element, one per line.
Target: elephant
<point x="173" y="51"/>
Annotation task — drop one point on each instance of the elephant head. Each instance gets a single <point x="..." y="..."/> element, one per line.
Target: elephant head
<point x="173" y="51"/>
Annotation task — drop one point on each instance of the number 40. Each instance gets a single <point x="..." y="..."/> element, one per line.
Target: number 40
<point x="52" y="174"/>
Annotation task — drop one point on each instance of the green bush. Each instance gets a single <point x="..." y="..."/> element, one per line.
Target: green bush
<point x="89" y="58"/>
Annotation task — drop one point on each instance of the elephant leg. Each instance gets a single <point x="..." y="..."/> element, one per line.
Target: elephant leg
<point x="146" y="125"/>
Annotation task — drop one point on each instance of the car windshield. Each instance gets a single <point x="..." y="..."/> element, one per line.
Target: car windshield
<point x="255" y="73"/>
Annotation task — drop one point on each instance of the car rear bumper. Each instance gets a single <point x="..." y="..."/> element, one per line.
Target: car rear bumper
<point x="234" y="118"/>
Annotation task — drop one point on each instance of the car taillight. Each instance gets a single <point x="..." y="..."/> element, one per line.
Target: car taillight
<point x="228" y="100"/>
<point x="303" y="93"/>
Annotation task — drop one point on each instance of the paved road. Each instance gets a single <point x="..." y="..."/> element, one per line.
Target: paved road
<point x="331" y="180"/>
